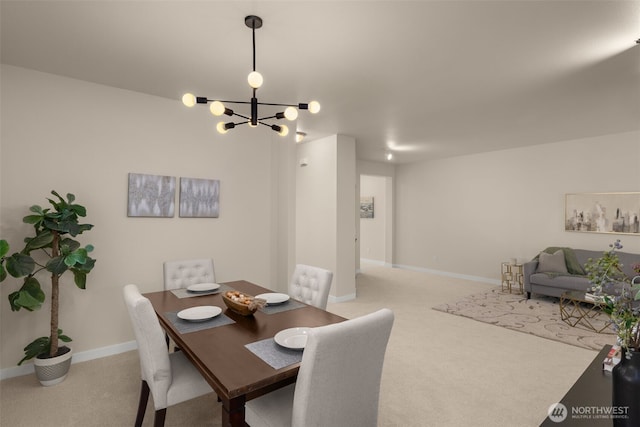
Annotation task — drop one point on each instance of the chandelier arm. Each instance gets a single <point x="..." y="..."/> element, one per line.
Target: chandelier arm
<point x="244" y="117"/>
<point x="269" y="117"/>
<point x="229" y="102"/>
<point x="278" y="105"/>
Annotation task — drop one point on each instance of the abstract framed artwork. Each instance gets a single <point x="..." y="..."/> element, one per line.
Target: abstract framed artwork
<point x="199" y="198"/>
<point x="366" y="207"/>
<point x="151" y="195"/>
<point x="617" y="213"/>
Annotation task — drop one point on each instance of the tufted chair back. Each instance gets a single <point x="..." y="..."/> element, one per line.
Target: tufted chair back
<point x="170" y="377"/>
<point x="154" y="357"/>
<point x="311" y="285"/>
<point x="339" y="379"/>
<point x="180" y="274"/>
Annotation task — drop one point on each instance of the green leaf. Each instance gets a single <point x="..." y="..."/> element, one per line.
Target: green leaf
<point x="78" y="256"/>
<point x="3" y="272"/>
<point x="70" y="243"/>
<point x="30" y="296"/>
<point x="40" y="345"/>
<point x="42" y="240"/>
<point x="19" y="265"/>
<point x="72" y="228"/>
<point x="80" y="278"/>
<point x="53" y="225"/>
<point x="12" y="298"/>
<point x="63" y="338"/>
<point x="4" y="248"/>
<point x="57" y="265"/>
<point x="32" y="219"/>
<point x="84" y="227"/>
<point x="79" y="210"/>
<point x="86" y="267"/>
<point x="37" y="209"/>
<point x="71" y="198"/>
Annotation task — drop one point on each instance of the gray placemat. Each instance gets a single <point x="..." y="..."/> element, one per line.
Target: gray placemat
<point x="184" y="293"/>
<point x="274" y="355"/>
<point x="285" y="306"/>
<point x="184" y="327"/>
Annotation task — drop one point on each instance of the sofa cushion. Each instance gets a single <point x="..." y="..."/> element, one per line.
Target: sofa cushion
<point x="572" y="261"/>
<point x="563" y="282"/>
<point x="552" y="263"/>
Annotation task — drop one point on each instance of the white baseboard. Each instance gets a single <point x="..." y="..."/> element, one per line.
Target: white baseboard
<point x="83" y="356"/>
<point x="449" y="274"/>
<point x="374" y="261"/>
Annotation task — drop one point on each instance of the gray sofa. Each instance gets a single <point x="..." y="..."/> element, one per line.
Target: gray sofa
<point x="541" y="283"/>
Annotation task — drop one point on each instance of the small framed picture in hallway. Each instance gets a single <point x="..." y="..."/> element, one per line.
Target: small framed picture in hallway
<point x="366" y="207"/>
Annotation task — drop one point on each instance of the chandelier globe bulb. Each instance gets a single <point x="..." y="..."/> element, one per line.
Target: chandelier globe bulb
<point x="221" y="128"/>
<point x="189" y="99"/>
<point x="217" y="108"/>
<point x="284" y="131"/>
<point x="314" y="107"/>
<point x="291" y="113"/>
<point x="255" y="79"/>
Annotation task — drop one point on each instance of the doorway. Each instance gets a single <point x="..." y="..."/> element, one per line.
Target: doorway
<point x="376" y="220"/>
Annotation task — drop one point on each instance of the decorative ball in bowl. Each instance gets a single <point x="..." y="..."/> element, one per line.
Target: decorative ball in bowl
<point x="242" y="303"/>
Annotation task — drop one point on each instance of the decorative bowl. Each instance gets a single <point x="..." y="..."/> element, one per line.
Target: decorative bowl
<point x="241" y="303"/>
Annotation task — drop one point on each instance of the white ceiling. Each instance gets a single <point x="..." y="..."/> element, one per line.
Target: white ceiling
<point x="428" y="79"/>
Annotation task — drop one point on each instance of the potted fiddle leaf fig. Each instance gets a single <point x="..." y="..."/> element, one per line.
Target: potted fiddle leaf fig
<point x="53" y="250"/>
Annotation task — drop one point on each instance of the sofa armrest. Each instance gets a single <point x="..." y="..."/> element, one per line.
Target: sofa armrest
<point x="528" y="268"/>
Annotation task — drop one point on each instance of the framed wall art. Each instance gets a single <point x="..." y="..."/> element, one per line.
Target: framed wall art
<point x="199" y="198"/>
<point x="366" y="207"/>
<point x="603" y="213"/>
<point x="151" y="195"/>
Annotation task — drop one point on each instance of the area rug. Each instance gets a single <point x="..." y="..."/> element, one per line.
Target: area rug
<point x="539" y="316"/>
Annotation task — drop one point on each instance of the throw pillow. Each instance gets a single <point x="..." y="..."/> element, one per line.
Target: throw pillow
<point x="552" y="263"/>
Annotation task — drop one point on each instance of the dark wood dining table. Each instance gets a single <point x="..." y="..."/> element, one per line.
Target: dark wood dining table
<point x="219" y="353"/>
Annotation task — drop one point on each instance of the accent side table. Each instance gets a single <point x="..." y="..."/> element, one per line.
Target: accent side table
<point x="511" y="275"/>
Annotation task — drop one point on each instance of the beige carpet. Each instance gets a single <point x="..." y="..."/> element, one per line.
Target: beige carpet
<point x="440" y="370"/>
<point x="538" y="316"/>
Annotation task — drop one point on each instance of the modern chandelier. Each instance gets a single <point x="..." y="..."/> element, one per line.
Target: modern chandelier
<point x="255" y="80"/>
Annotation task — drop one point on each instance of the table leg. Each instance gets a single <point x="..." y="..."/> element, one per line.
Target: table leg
<point x="233" y="412"/>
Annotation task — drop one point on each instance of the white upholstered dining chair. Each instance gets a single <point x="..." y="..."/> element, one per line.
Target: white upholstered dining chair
<point x="338" y="383"/>
<point x="170" y="377"/>
<point x="311" y="285"/>
<point x="183" y="273"/>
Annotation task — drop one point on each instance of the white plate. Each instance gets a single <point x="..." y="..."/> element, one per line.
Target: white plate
<point x="200" y="313"/>
<point x="274" y="298"/>
<point x="294" y="338"/>
<point x="203" y="287"/>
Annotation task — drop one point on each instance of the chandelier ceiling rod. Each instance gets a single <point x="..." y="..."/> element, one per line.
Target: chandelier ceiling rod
<point x="255" y="80"/>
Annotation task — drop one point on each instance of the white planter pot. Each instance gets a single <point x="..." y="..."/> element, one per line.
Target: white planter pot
<point x="53" y="370"/>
